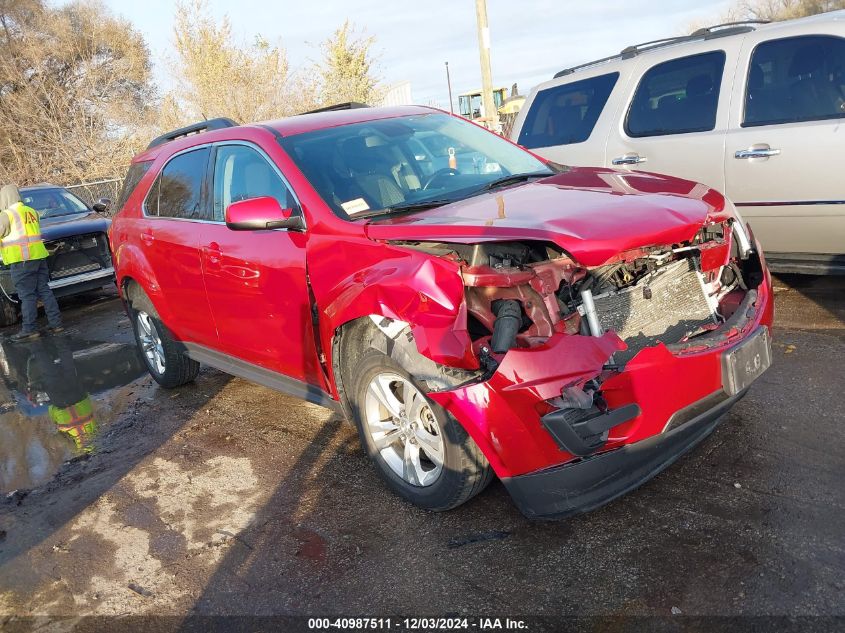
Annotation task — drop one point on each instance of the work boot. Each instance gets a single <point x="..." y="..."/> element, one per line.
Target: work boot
<point x="55" y="329"/>
<point x="22" y="337"/>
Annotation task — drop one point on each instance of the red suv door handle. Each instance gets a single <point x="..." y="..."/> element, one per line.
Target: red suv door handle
<point x="212" y="253"/>
<point x="147" y="237"/>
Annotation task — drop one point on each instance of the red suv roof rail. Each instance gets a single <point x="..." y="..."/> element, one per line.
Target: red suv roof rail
<point x="196" y="128"/>
<point x="349" y="105"/>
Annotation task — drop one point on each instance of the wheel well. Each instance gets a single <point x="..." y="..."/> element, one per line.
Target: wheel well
<point x="134" y="293"/>
<point x="354" y="338"/>
<point x="128" y="288"/>
<point x="349" y="343"/>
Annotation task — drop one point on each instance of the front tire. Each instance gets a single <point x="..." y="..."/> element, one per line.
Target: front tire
<point x="163" y="356"/>
<point x="420" y="451"/>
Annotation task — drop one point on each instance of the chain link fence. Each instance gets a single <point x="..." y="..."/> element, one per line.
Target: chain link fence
<point x="90" y="192"/>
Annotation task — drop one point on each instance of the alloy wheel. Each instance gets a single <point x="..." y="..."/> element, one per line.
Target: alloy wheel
<point x="151" y="344"/>
<point x="403" y="429"/>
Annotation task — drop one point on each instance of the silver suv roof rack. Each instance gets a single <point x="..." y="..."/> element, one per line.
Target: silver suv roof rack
<point x="196" y="128"/>
<point x="707" y="33"/>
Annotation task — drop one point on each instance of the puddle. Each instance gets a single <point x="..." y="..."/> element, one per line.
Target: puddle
<point x="53" y="402"/>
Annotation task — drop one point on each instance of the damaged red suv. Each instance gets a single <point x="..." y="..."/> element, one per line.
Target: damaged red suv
<point x="476" y="310"/>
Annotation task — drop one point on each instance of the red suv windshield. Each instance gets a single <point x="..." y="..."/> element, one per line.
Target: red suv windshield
<point x="388" y="164"/>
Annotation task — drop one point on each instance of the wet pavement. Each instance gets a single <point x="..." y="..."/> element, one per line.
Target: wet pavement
<point x="223" y="497"/>
<point x="57" y="393"/>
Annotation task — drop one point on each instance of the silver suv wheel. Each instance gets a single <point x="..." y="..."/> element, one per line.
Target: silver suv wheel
<point x="151" y="344"/>
<point x="403" y="429"/>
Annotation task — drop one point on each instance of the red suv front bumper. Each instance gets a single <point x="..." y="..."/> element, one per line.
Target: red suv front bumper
<point x="679" y="398"/>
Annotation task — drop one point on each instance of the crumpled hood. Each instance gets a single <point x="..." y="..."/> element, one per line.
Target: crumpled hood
<point x="593" y="214"/>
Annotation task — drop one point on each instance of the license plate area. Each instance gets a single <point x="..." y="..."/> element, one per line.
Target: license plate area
<point x="744" y="363"/>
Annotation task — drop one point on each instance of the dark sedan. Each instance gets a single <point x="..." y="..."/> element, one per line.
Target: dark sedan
<point x="76" y="237"/>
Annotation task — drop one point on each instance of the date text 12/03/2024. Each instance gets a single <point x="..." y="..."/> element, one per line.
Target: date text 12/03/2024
<point x="416" y="624"/>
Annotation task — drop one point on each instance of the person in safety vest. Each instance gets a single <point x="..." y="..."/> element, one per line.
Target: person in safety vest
<point x="77" y="422"/>
<point x="51" y="369"/>
<point x="23" y="250"/>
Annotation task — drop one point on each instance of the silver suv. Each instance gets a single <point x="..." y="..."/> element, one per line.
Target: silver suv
<point x="755" y="110"/>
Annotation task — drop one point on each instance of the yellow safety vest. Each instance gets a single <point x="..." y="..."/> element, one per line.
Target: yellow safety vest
<point x="24" y="239"/>
<point x="77" y="421"/>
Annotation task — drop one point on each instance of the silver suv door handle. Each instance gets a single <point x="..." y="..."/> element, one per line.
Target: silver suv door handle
<point x="629" y="159"/>
<point x="756" y="152"/>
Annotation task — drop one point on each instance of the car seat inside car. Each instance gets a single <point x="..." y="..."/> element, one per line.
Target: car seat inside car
<point x="371" y="173"/>
<point x="813" y="91"/>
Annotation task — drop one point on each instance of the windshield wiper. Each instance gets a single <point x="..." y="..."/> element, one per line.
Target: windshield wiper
<point x="48" y="215"/>
<point x="422" y="205"/>
<point x="513" y="179"/>
<point x="407" y="207"/>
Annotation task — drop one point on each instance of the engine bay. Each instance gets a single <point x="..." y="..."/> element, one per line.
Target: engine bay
<point x="519" y="294"/>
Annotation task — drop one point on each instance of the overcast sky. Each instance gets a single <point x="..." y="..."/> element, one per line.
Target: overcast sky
<point x="530" y="39"/>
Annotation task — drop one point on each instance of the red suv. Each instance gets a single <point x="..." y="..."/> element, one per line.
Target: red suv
<point x="475" y="309"/>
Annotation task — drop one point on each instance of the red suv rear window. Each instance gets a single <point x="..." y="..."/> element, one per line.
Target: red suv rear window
<point x="133" y="177"/>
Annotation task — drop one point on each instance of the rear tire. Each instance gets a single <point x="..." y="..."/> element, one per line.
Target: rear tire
<point x="421" y="452"/>
<point x="163" y="356"/>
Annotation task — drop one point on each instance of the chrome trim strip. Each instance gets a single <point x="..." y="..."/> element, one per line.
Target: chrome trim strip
<point x="78" y="279"/>
<point x="163" y="219"/>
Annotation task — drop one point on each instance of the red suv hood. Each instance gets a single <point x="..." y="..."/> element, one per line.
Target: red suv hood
<point x="593" y="214"/>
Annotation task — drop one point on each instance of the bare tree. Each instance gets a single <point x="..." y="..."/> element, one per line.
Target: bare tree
<point x="216" y="76"/>
<point x="347" y="68"/>
<point x="77" y="100"/>
<point x="774" y="10"/>
<point x="785" y="9"/>
<point x="74" y="82"/>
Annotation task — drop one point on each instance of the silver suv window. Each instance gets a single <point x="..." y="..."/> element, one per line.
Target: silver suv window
<point x="796" y="79"/>
<point x="566" y="114"/>
<point x="677" y="96"/>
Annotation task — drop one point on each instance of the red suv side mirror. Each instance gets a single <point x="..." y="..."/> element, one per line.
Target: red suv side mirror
<point x="261" y="214"/>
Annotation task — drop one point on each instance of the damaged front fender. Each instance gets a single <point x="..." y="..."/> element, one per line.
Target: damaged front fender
<point x="424" y="291"/>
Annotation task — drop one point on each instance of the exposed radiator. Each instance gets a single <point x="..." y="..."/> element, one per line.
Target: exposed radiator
<point x="664" y="306"/>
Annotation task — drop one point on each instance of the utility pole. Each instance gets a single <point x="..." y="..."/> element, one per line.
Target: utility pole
<point x="490" y="112"/>
<point x="449" y="83"/>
